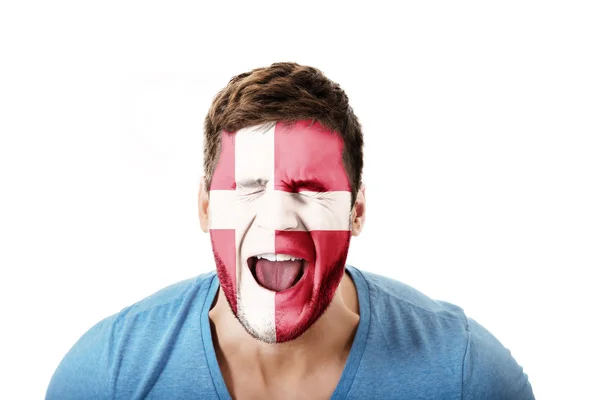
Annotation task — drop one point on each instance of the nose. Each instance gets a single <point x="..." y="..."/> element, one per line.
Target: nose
<point x="278" y="211"/>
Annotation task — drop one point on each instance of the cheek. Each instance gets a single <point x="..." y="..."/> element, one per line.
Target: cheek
<point x="224" y="250"/>
<point x="331" y="247"/>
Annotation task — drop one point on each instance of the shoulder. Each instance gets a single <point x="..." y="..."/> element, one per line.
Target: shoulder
<point x="88" y="369"/>
<point x="169" y="296"/>
<point x="489" y="369"/>
<point x="395" y="296"/>
<point x="158" y="311"/>
<point x="435" y="332"/>
<point x="404" y="320"/>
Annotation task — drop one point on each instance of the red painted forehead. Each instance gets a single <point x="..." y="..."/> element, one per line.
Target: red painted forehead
<point x="311" y="154"/>
<point x="302" y="156"/>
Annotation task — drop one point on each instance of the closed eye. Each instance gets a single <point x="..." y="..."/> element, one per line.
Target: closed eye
<point x="254" y="192"/>
<point x="250" y="195"/>
<point x="314" y="195"/>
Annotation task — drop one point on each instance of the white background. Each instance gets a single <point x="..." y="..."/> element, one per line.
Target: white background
<point x="481" y="126"/>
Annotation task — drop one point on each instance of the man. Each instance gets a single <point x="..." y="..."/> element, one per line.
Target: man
<point x="283" y="317"/>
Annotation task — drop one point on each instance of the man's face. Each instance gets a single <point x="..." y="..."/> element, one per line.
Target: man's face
<point x="279" y="217"/>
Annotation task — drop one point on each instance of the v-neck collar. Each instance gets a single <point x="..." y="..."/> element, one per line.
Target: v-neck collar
<point x="354" y="357"/>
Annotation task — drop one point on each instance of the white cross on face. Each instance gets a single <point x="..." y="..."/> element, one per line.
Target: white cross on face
<point x="270" y="193"/>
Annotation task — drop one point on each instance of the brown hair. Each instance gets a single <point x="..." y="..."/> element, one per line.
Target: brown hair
<point x="284" y="92"/>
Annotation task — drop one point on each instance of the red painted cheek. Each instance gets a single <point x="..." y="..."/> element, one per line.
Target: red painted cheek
<point x="223" y="244"/>
<point x="297" y="310"/>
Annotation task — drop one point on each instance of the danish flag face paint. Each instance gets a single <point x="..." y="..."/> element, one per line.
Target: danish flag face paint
<point x="279" y="217"/>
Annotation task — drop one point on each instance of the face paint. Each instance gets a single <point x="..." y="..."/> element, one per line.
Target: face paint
<point x="282" y="194"/>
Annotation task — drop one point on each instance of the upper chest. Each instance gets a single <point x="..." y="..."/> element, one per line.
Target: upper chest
<point x="243" y="384"/>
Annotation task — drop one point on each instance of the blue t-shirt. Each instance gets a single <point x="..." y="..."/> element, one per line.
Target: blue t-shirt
<point x="407" y="346"/>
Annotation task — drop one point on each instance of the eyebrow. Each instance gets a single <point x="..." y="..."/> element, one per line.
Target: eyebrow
<point x="306" y="184"/>
<point x="312" y="185"/>
<point x="252" y="183"/>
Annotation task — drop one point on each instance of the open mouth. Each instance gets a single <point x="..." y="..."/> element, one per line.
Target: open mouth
<point x="277" y="272"/>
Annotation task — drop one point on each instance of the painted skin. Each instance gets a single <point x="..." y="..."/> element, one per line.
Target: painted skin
<point x="280" y="190"/>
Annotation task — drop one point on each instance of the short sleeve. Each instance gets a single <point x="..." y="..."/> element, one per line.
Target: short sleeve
<point x="489" y="370"/>
<point x="84" y="371"/>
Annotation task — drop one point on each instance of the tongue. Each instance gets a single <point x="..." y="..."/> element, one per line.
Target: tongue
<point x="277" y="275"/>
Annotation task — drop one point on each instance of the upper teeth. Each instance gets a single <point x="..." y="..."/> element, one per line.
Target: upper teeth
<point x="277" y="257"/>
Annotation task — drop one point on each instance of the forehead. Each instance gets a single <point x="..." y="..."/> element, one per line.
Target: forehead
<point x="282" y="155"/>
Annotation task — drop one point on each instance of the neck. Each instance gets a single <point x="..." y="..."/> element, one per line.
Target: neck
<point x="327" y="340"/>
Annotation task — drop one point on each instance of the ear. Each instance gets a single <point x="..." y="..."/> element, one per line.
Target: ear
<point x="359" y="211"/>
<point x="203" y="201"/>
